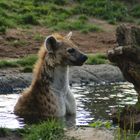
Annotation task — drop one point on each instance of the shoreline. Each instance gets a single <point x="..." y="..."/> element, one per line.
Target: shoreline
<point x="10" y="79"/>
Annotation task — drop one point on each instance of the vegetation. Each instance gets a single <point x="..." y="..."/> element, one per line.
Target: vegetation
<point x="125" y="135"/>
<point x="49" y="130"/>
<point x="77" y="25"/>
<point x="97" y="59"/>
<point x="63" y="14"/>
<point x="99" y="124"/>
<point x="25" y="63"/>
<point x="119" y="134"/>
<point x="4" y="132"/>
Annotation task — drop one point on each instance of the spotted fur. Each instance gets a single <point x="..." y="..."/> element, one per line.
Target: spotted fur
<point x="49" y="94"/>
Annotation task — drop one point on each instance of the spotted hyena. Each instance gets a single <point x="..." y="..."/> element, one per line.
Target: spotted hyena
<point x="49" y="94"/>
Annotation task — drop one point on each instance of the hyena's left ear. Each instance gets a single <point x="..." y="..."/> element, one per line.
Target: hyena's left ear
<point x="68" y="36"/>
<point x="51" y="44"/>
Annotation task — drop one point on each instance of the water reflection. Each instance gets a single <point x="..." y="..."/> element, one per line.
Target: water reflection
<point x="94" y="102"/>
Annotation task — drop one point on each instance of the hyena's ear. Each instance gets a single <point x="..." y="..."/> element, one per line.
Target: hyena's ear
<point x="51" y="44"/>
<point x="68" y="36"/>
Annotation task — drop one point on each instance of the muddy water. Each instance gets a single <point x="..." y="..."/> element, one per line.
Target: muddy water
<point x="94" y="102"/>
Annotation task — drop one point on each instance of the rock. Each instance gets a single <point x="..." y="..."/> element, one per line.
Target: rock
<point x="104" y="73"/>
<point x="127" y="57"/>
<point x="9" y="82"/>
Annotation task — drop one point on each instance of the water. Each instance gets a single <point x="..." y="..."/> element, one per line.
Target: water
<point x="94" y="102"/>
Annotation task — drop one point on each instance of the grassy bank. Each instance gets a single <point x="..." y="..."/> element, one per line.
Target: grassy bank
<point x="99" y="58"/>
<point x="63" y="14"/>
<point x="49" y="130"/>
<point x="26" y="64"/>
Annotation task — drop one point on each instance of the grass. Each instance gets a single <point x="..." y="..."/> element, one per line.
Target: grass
<point x="2" y="30"/>
<point x="38" y="37"/>
<point x="48" y="130"/>
<point x="104" y="9"/>
<point x="16" y="43"/>
<point x="27" y="63"/>
<point x="77" y="25"/>
<point x="97" y="59"/>
<point x="119" y="134"/>
<point x="135" y="11"/>
<point x="29" y="19"/>
<point x="125" y="135"/>
<point x="4" y="132"/>
<point x="56" y="14"/>
<point x="5" y="63"/>
<point x="99" y="124"/>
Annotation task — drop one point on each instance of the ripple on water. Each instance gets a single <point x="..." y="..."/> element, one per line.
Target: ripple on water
<point x="94" y="102"/>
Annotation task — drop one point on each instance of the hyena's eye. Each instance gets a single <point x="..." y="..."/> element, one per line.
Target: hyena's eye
<point x="71" y="50"/>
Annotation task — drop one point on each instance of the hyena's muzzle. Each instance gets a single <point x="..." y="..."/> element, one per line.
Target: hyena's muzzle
<point x="76" y="58"/>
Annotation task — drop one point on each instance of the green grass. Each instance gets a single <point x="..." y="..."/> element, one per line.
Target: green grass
<point x="2" y="29"/>
<point x="135" y="11"/>
<point x="30" y="19"/>
<point x="38" y="37"/>
<point x="77" y="25"/>
<point x="5" y="63"/>
<point x="25" y="63"/>
<point x="17" y="43"/>
<point x="4" y="132"/>
<point x="97" y="59"/>
<point x="104" y="9"/>
<point x="120" y="134"/>
<point x="99" y="124"/>
<point x="56" y="14"/>
<point x="48" y="130"/>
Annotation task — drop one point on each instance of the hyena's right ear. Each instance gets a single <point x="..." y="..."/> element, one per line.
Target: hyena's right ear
<point x="50" y="44"/>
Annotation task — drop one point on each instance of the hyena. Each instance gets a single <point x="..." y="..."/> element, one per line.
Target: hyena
<point x="49" y="94"/>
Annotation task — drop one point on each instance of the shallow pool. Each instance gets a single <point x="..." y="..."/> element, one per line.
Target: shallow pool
<point x="94" y="102"/>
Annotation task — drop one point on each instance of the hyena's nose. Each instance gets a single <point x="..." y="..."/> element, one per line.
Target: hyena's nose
<point x="84" y="58"/>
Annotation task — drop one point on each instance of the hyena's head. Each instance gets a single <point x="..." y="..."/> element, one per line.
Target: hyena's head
<point x="62" y="51"/>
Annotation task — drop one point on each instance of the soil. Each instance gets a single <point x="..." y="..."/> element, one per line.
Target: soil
<point x="89" y="133"/>
<point x="21" y="42"/>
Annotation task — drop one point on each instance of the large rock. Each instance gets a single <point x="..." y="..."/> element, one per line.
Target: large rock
<point x="127" y="57"/>
<point x="104" y="73"/>
<point x="9" y="81"/>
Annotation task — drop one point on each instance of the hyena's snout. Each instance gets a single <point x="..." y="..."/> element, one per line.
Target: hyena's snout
<point x="82" y="59"/>
<point x="76" y="58"/>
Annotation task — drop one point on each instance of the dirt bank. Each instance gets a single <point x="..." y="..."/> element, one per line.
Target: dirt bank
<point x="88" y="133"/>
<point x="21" y="42"/>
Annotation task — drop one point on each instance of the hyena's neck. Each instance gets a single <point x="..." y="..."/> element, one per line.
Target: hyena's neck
<point x="55" y="78"/>
<point x="60" y="79"/>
